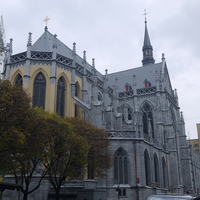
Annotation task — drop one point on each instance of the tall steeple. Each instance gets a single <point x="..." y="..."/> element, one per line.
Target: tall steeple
<point x="147" y="48"/>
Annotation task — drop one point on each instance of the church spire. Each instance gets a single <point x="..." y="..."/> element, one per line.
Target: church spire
<point x="147" y="48"/>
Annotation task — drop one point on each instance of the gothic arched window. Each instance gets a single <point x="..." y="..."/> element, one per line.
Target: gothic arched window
<point x="127" y="87"/>
<point x="99" y="96"/>
<point x="156" y="168"/>
<point x="120" y="167"/>
<point x="77" y="94"/>
<point x="147" y="168"/>
<point x="19" y="81"/>
<point x="76" y="89"/>
<point x="60" y="102"/>
<point x="147" y="120"/>
<point x="39" y="91"/>
<point x="164" y="172"/>
<point x="129" y="114"/>
<point x="90" y="167"/>
<point x="147" y="83"/>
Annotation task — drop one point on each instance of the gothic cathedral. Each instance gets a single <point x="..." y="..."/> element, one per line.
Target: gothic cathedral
<point x="137" y="107"/>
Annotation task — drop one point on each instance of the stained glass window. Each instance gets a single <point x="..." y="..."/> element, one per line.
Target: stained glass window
<point x="120" y="167"/>
<point x="147" y="168"/>
<point x="164" y="169"/>
<point x="156" y="168"/>
<point x="39" y="91"/>
<point x="60" y="102"/>
<point x="77" y="95"/>
<point x="129" y="114"/>
<point x="19" y="81"/>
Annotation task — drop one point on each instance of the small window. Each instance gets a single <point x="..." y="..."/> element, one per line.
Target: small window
<point x="147" y="83"/>
<point x="121" y="192"/>
<point x="128" y="87"/>
<point x="99" y="97"/>
<point x="124" y="192"/>
<point x="195" y="145"/>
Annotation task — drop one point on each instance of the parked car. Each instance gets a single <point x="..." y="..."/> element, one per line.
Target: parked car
<point x="172" y="197"/>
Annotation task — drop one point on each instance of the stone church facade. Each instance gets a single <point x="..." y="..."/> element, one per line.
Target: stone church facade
<point x="137" y="107"/>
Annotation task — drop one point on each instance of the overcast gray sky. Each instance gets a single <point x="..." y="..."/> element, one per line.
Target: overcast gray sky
<point x="112" y="32"/>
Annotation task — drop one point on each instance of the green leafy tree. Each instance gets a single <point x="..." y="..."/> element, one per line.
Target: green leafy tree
<point x="23" y="136"/>
<point x="33" y="141"/>
<point x="99" y="157"/>
<point x="14" y="108"/>
<point x="24" y="161"/>
<point x="65" y="153"/>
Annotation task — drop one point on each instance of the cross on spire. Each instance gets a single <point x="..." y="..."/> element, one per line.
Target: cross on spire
<point x="46" y="20"/>
<point x="145" y="14"/>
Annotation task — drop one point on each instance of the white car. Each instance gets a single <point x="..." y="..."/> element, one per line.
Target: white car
<point x="172" y="197"/>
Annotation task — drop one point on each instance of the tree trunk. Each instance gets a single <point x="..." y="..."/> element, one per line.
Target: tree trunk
<point x="25" y="196"/>
<point x="57" y="190"/>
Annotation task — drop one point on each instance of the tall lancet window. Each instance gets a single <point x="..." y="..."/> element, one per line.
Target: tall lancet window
<point x="39" y="91"/>
<point x="129" y="114"/>
<point x="164" y="173"/>
<point x="147" y="168"/>
<point x="77" y="110"/>
<point x="156" y="169"/>
<point x="120" y="167"/>
<point x="60" y="101"/>
<point x="148" y="127"/>
<point x="19" y="81"/>
<point x="77" y="95"/>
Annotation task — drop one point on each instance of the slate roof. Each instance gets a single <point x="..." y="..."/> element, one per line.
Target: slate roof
<point x="147" y="42"/>
<point x="45" y="44"/>
<point x="141" y="73"/>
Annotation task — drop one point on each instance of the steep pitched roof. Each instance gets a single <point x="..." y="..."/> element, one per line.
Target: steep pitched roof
<point x="147" y="48"/>
<point x="147" y="42"/>
<point x="45" y="44"/>
<point x="141" y="73"/>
